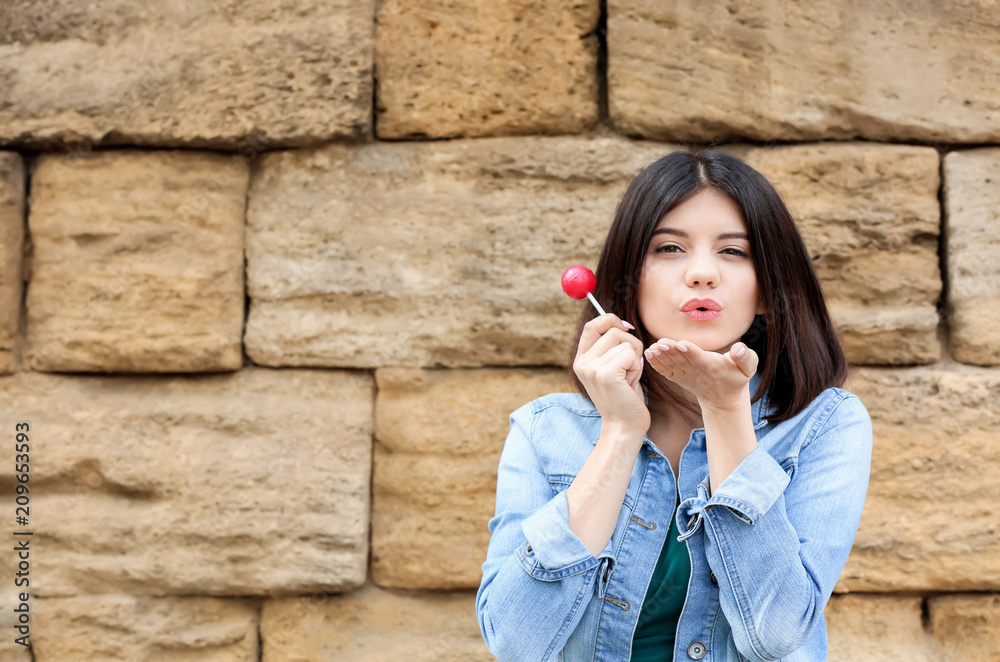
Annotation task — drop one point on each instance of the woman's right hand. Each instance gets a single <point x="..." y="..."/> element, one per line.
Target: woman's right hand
<point x="609" y="363"/>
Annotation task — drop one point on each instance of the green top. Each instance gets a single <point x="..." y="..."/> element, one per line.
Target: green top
<point x="654" y="633"/>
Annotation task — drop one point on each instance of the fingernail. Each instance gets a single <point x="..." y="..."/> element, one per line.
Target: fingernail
<point x="741" y="351"/>
<point x="628" y="326"/>
<point x="682" y="348"/>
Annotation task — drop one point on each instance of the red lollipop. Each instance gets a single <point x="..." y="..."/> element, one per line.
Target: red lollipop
<point x="578" y="281"/>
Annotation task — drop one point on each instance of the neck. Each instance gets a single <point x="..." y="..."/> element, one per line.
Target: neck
<point x="664" y="416"/>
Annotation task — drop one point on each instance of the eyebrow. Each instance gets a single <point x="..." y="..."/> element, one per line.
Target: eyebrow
<point x="680" y="233"/>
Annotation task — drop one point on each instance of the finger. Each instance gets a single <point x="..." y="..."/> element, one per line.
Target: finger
<point x="634" y="373"/>
<point x="702" y="366"/>
<point x="596" y="328"/>
<point x="596" y="356"/>
<point x="617" y="361"/>
<point x="656" y="352"/>
<point x="689" y="357"/>
<point x="612" y="338"/>
<point x="661" y="363"/>
<point x="670" y="356"/>
<point x="665" y="371"/>
<point x="635" y="367"/>
<point x="746" y="363"/>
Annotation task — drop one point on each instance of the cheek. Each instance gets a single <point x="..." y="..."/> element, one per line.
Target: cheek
<point x="640" y="288"/>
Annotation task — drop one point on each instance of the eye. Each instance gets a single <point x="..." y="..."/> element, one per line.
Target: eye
<point x="736" y="251"/>
<point x="665" y="247"/>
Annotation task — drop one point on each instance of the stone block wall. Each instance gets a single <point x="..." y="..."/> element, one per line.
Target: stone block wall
<point x="274" y="275"/>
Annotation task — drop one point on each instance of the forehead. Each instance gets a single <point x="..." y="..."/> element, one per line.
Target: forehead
<point x="707" y="211"/>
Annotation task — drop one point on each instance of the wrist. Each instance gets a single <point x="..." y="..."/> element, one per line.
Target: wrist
<point x="621" y="433"/>
<point x="728" y="406"/>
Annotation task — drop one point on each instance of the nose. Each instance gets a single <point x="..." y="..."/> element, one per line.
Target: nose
<point x="702" y="270"/>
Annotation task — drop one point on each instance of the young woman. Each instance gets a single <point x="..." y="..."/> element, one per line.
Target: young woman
<point x="698" y="496"/>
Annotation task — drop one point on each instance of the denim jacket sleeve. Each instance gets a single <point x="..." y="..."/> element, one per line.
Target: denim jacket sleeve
<point x="777" y="553"/>
<point x="538" y="576"/>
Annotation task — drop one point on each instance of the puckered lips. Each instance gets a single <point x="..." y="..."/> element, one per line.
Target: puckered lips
<point x="694" y="304"/>
<point x="701" y="310"/>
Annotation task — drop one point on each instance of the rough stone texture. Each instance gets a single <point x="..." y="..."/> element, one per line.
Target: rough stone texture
<point x="427" y="254"/>
<point x="448" y="69"/>
<point x="374" y="625"/>
<point x="138" y="262"/>
<point x="870" y="217"/>
<point x="886" y="628"/>
<point x="932" y="514"/>
<point x="11" y="244"/>
<point x="961" y="628"/>
<point x="129" y="628"/>
<point x="790" y="71"/>
<point x="450" y="253"/>
<point x="197" y="74"/>
<point x="972" y="240"/>
<point x="251" y="483"/>
<point x="12" y="652"/>
<point x="439" y="434"/>
<point x="968" y="626"/>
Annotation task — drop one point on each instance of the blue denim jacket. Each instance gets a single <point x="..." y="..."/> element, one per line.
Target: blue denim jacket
<point x="766" y="549"/>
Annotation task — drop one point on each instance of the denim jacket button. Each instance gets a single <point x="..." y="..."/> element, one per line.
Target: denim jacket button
<point x="696" y="650"/>
<point x="528" y="550"/>
<point x="711" y="578"/>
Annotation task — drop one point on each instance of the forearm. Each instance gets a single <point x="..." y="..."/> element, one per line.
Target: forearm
<point x="777" y="534"/>
<point x="524" y="618"/>
<point x="597" y="493"/>
<point x="729" y="437"/>
<point x="757" y="566"/>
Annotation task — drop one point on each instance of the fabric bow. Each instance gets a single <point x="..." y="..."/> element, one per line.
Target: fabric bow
<point x="689" y="512"/>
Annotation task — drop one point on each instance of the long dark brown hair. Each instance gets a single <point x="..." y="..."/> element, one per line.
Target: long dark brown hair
<point x="799" y="348"/>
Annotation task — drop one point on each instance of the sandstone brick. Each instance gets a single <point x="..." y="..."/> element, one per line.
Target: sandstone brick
<point x="958" y="628"/>
<point x="931" y="520"/>
<point x="11" y="244"/>
<point x="127" y="628"/>
<point x="374" y="624"/>
<point x="967" y="626"/>
<point x="870" y="217"/>
<point x="787" y="71"/>
<point x="439" y="434"/>
<point x="887" y="628"/>
<point x="213" y="74"/>
<point x="972" y="240"/>
<point x="481" y="69"/>
<point x="138" y="262"/>
<point x="247" y="483"/>
<point x="427" y="254"/>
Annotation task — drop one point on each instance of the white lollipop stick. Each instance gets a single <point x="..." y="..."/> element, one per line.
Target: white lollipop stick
<point x="596" y="305"/>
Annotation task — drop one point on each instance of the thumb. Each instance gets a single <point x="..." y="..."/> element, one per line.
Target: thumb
<point x="744" y="358"/>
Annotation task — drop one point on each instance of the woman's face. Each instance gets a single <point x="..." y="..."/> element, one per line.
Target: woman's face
<point x="687" y="259"/>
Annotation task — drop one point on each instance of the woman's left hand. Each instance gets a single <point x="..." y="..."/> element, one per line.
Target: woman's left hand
<point x="717" y="380"/>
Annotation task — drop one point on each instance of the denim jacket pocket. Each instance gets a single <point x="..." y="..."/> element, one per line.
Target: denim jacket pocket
<point x="560" y="482"/>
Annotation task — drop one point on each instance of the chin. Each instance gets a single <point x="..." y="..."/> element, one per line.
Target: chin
<point x="715" y="347"/>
